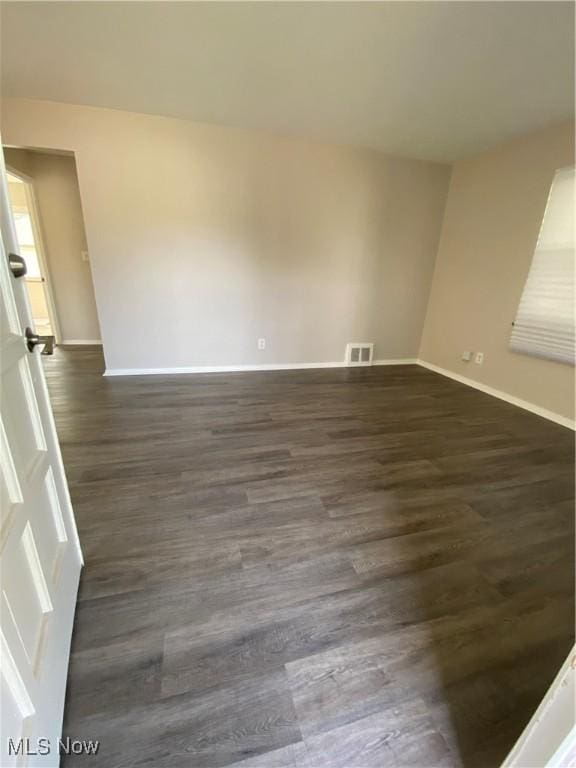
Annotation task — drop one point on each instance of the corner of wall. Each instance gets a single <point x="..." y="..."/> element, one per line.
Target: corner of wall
<point x="436" y="259"/>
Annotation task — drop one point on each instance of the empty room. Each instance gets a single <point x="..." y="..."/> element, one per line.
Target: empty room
<point x="288" y="405"/>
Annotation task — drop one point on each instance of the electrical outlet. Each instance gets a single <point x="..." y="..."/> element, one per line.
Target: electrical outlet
<point x="261" y="343"/>
<point x="467" y="356"/>
<point x="479" y="358"/>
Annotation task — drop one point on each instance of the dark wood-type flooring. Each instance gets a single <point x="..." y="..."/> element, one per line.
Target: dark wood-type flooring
<point x="351" y="568"/>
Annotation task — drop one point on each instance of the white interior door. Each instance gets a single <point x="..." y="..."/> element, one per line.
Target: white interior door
<point x="40" y="556"/>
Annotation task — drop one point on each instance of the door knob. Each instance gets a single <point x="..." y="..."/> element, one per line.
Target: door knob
<point x="32" y="340"/>
<point x="17" y="265"/>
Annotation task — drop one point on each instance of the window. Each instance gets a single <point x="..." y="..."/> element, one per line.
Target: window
<point x="544" y="325"/>
<point x="26" y="244"/>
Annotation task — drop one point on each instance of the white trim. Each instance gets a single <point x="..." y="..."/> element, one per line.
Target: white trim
<point x="550" y="736"/>
<point x="217" y="369"/>
<point x="544" y="412"/>
<point x="397" y="361"/>
<point x="238" y="368"/>
<point x="71" y="342"/>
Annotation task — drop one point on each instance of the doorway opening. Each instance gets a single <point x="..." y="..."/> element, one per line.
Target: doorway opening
<point x="45" y="199"/>
<point x="30" y="243"/>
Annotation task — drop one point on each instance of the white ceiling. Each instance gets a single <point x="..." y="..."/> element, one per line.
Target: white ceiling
<point x="435" y="80"/>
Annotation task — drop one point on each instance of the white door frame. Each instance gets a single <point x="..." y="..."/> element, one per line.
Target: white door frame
<point x="33" y="209"/>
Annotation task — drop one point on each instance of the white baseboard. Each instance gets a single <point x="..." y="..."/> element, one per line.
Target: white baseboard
<point x="550" y="736"/>
<point x="544" y="412"/>
<point x="399" y="361"/>
<point x="550" y="415"/>
<point x="217" y="369"/>
<point x="80" y="342"/>
<point x="240" y="368"/>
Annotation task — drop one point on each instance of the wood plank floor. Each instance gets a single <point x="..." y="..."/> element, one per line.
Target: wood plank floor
<point x="315" y="569"/>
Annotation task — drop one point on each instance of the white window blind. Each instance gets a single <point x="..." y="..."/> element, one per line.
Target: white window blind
<point x="544" y="325"/>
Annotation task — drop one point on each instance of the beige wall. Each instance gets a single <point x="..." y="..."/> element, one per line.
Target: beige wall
<point x="60" y="212"/>
<point x="493" y="215"/>
<point x="17" y="194"/>
<point x="205" y="238"/>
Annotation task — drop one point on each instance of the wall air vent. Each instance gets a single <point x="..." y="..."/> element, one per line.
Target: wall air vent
<point x="359" y="353"/>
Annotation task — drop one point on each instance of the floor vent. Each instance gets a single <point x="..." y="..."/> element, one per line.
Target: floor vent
<point x="359" y="354"/>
